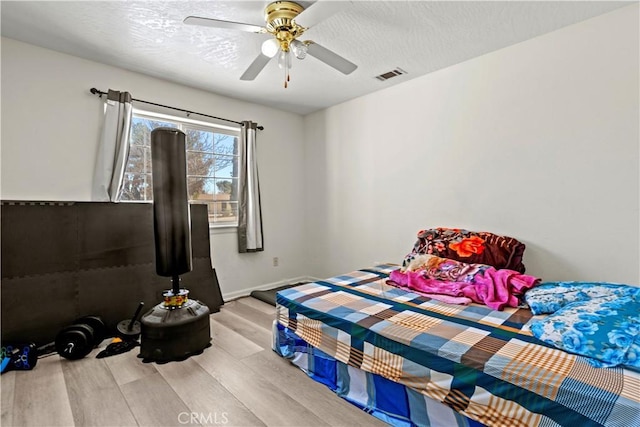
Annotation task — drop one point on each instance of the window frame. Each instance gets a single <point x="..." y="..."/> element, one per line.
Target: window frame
<point x="198" y="125"/>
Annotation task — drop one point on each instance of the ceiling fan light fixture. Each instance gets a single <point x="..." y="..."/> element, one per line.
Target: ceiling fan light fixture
<point x="284" y="60"/>
<point x="270" y="48"/>
<point x="299" y="49"/>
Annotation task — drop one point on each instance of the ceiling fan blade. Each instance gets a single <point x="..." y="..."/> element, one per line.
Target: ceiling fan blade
<point x="318" y="12"/>
<point x="330" y="58"/>
<point x="228" y="25"/>
<point x="256" y="66"/>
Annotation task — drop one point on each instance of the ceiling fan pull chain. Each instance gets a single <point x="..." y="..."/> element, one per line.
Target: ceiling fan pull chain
<point x="287" y="68"/>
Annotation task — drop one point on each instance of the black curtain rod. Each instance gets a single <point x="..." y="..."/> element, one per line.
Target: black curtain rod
<point x="100" y="93"/>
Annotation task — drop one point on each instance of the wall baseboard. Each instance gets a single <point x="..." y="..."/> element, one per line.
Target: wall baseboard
<point x="245" y="292"/>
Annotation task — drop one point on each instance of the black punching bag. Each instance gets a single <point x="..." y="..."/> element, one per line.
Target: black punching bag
<point x="171" y="220"/>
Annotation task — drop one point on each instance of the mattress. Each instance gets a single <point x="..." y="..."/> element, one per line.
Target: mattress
<point x="391" y="402"/>
<point x="483" y="364"/>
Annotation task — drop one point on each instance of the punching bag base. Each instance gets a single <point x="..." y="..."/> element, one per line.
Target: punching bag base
<point x="172" y="334"/>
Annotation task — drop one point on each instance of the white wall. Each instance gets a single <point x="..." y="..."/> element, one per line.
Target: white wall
<point x="538" y="141"/>
<point x="51" y="126"/>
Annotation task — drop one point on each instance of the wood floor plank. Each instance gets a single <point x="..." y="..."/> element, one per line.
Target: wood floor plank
<point x="247" y="329"/>
<point x="7" y="385"/>
<point x="255" y="391"/>
<point x="95" y="396"/>
<point x="310" y="394"/>
<point x="153" y="402"/>
<point x="234" y="343"/>
<point x="208" y="401"/>
<point x="128" y="367"/>
<point x="258" y="305"/>
<point x="254" y="316"/>
<point x="40" y="397"/>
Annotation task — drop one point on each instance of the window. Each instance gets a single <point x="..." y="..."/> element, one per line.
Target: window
<point x="212" y="164"/>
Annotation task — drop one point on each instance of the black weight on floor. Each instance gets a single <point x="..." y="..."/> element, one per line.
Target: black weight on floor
<point x="75" y="341"/>
<point x="98" y="326"/>
<point x="128" y="329"/>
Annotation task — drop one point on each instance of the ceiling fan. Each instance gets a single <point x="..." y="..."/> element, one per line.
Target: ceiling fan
<point x="284" y="21"/>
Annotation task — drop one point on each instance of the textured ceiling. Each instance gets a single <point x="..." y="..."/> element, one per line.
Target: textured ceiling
<point x="417" y="36"/>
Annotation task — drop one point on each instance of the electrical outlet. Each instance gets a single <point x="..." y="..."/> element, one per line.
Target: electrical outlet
<point x="275" y="261"/>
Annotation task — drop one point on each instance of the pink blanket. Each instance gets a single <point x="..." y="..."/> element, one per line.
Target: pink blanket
<point x="494" y="288"/>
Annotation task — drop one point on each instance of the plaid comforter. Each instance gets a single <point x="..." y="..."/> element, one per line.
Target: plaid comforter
<point x="485" y="364"/>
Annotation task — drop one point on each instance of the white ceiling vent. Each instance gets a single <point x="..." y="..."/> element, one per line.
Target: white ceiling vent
<point x="390" y="74"/>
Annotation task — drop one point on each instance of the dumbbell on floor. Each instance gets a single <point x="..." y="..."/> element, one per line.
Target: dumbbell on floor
<point x="78" y="339"/>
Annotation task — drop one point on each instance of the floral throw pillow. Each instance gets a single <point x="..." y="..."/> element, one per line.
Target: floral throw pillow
<point x="473" y="247"/>
<point x="607" y="330"/>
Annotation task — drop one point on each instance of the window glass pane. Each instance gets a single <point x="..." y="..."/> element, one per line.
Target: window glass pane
<point x="233" y="212"/>
<point x="226" y="166"/>
<point x="200" y="189"/>
<point x="200" y="164"/>
<point x="225" y="144"/>
<point x="137" y="186"/>
<point x="139" y="132"/>
<point x="139" y="159"/>
<point x="199" y="140"/>
<point x="224" y="186"/>
<point x="223" y="211"/>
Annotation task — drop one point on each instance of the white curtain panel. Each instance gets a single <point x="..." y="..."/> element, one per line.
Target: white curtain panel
<point x="250" y="237"/>
<point x="114" y="147"/>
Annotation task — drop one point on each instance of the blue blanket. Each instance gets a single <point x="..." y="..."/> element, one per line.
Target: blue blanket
<point x="598" y="320"/>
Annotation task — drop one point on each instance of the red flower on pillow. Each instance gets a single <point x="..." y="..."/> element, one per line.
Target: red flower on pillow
<point x="468" y="246"/>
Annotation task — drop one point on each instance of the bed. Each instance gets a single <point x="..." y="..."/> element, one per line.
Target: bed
<point x="412" y="360"/>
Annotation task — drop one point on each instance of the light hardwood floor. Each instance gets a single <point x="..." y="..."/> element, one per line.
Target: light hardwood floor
<point x="238" y="381"/>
